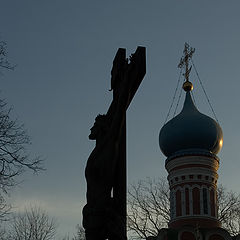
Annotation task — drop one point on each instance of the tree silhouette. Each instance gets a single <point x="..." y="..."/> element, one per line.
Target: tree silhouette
<point x="4" y="63"/>
<point x="14" y="156"/>
<point x="14" y="141"/>
<point x="34" y="223"/>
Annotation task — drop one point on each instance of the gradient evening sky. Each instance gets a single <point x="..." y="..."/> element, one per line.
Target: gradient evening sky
<point x="64" y="52"/>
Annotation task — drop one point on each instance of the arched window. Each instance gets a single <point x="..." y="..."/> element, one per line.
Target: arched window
<point x="178" y="203"/>
<point x="212" y="203"/>
<point x="205" y="201"/>
<point x="172" y="205"/>
<point x="187" y="236"/>
<point x="187" y="200"/>
<point x="196" y="200"/>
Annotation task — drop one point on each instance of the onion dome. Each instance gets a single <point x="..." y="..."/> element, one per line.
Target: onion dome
<point x="190" y="131"/>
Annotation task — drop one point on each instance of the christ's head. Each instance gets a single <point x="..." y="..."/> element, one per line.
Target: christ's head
<point x="99" y="128"/>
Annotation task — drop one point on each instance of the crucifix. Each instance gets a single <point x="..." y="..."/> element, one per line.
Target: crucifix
<point x="104" y="215"/>
<point x="184" y="62"/>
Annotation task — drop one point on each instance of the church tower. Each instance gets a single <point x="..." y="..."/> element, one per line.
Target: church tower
<point x="191" y="142"/>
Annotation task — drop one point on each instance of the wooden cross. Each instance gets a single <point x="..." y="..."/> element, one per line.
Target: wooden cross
<point x="104" y="216"/>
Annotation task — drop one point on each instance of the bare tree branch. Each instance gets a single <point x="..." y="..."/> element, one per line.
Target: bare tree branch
<point x="4" y="209"/>
<point x="4" y="63"/>
<point x="32" y="224"/>
<point x="80" y="233"/>
<point x="229" y="210"/>
<point x="14" y="157"/>
<point x="14" y="143"/>
<point x="148" y="207"/>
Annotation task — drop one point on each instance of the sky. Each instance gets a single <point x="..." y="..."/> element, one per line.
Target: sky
<point x="64" y="52"/>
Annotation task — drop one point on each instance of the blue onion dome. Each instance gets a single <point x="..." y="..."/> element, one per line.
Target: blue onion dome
<point x="190" y="131"/>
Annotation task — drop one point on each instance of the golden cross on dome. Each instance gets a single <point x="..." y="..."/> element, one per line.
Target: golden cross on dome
<point x="184" y="62"/>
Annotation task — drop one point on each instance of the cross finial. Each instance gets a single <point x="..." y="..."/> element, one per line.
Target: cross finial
<point x="184" y="62"/>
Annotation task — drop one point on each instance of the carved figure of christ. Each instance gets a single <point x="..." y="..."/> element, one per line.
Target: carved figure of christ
<point x="104" y="216"/>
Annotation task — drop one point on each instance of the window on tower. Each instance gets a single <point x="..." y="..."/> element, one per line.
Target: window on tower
<point x="196" y="200"/>
<point x="178" y="203"/>
<point x="205" y="201"/>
